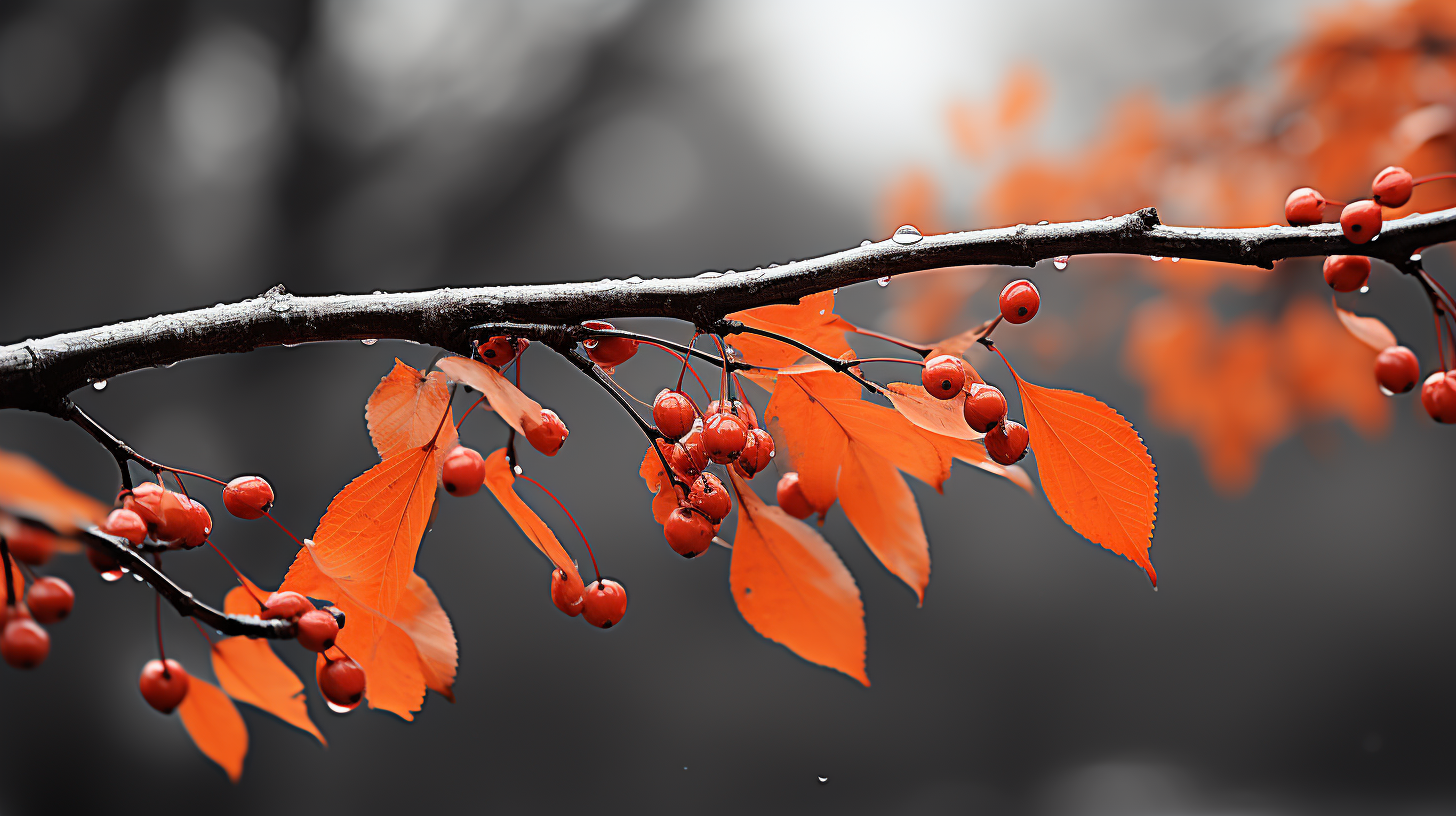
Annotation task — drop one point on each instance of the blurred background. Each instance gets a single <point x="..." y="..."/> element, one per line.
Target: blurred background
<point x="1298" y="658"/>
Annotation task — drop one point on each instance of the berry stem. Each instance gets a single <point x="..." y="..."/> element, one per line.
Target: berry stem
<point x="573" y="523"/>
<point x="685" y="365"/>
<point x="1433" y="177"/>
<point x="467" y="412"/>
<point x="842" y="366"/>
<point x="157" y="607"/>
<point x="722" y="388"/>
<point x="175" y="471"/>
<point x="9" y="576"/>
<point x="920" y="363"/>
<point x="203" y="632"/>
<point x="923" y="351"/>
<point x="241" y="580"/>
<point x="281" y="527"/>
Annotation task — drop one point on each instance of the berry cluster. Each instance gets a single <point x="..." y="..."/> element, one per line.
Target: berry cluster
<point x="24" y="642"/>
<point x="1359" y="220"/>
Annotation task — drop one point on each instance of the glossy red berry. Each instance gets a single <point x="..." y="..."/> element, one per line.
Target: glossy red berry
<point x="182" y="521"/>
<point x="791" y="497"/>
<point x="1397" y="370"/>
<point x="674" y="412"/>
<point x="31" y="545"/>
<point x="1347" y="273"/>
<point x="248" y="497"/>
<point x="723" y="437"/>
<point x="342" y="682"/>
<point x="605" y="604"/>
<point x="286" y="605"/>
<point x="50" y="599"/>
<point x="1392" y="187"/>
<point x="464" y="472"/>
<point x="608" y="352"/>
<point x="1304" y="206"/>
<point x="24" y="645"/>
<point x="125" y="524"/>
<point x="985" y="407"/>
<point x="687" y="458"/>
<point x="738" y="408"/>
<point x="1361" y="221"/>
<point x="1438" y="396"/>
<point x="688" y="532"/>
<point x="1006" y="444"/>
<point x="549" y="434"/>
<point x="317" y="629"/>
<point x="567" y="592"/>
<point x="710" y="497"/>
<point x="164" y="686"/>
<point x="1019" y="301"/>
<point x="498" y="351"/>
<point x="943" y="376"/>
<point x="757" y="452"/>
<point x="143" y="500"/>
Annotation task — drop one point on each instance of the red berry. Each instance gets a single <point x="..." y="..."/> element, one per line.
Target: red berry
<point x="689" y="533"/>
<point x="342" y="682"/>
<point x="498" y="351"/>
<point x="317" y="630"/>
<point x="757" y="452"/>
<point x="673" y="412"/>
<point x="1347" y="273"/>
<point x="1019" y="301"/>
<point x="567" y="592"/>
<point x="791" y="497"/>
<point x="24" y="645"/>
<point x="608" y="352"/>
<point x="1361" y="221"/>
<point x="549" y="434"/>
<point x="943" y="376"/>
<point x="164" y="686"/>
<point x="1397" y="369"/>
<point x="248" y="497"/>
<point x="710" y="497"/>
<point x="143" y="500"/>
<point x="1438" y="395"/>
<point x="1007" y="443"/>
<point x="723" y="437"/>
<point x="737" y="408"/>
<point x="985" y="407"/>
<point x="1304" y="206"/>
<point x="50" y="599"/>
<point x="125" y="524"/>
<point x="464" y="472"/>
<point x="31" y="545"/>
<point x="287" y="604"/>
<point x="605" y="604"/>
<point x="1392" y="187"/>
<point x="687" y="458"/>
<point x="183" y="522"/>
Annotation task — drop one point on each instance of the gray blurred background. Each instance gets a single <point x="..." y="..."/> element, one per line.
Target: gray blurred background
<point x="156" y="156"/>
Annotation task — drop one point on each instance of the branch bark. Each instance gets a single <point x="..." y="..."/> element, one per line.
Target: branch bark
<point x="38" y="374"/>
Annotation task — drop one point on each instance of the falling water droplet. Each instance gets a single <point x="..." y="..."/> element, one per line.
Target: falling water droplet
<point x="113" y="575"/>
<point x="1386" y="391"/>
<point x="338" y="709"/>
<point x="1364" y="289"/>
<point x="1060" y="261"/>
<point x="138" y="578"/>
<point x="823" y="780"/>
<point x="369" y="342"/>
<point x="1155" y="257"/>
<point x="1416" y="258"/>
<point x="518" y="470"/>
<point x="99" y="385"/>
<point x="907" y="235"/>
<point x="883" y="281"/>
<point x="866" y="242"/>
<point x="1175" y="260"/>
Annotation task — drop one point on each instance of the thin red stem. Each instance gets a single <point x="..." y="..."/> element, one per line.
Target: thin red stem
<point x="723" y="353"/>
<point x="573" y="523"/>
<point x="161" y="649"/>
<point x="685" y="364"/>
<point x="905" y="344"/>
<point x="1440" y="341"/>
<point x="180" y="486"/>
<point x="468" y="410"/>
<point x="920" y="363"/>
<point x="241" y="579"/>
<point x="175" y="471"/>
<point x="281" y="527"/>
<point x="686" y="367"/>
<point x="1433" y="177"/>
<point x="203" y="632"/>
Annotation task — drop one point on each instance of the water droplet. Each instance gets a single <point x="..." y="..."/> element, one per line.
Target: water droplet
<point x="866" y="242"/>
<point x="1175" y="260"/>
<point x="518" y="470"/>
<point x="771" y="454"/>
<point x="1364" y="289"/>
<point x="710" y="274"/>
<point x="113" y="575"/>
<point x="290" y="345"/>
<point x="138" y="578"/>
<point x="1042" y="223"/>
<point x="907" y="235"/>
<point x="836" y="290"/>
<point x="99" y="385"/>
<point x="1060" y="261"/>
<point x="1416" y="258"/>
<point x="823" y="780"/>
<point x="821" y="311"/>
<point x="634" y="279"/>
<point x="369" y="342"/>
<point x="883" y="281"/>
<point x="378" y="291"/>
<point x="1155" y="257"/>
<point x="338" y="709"/>
<point x="1386" y="391"/>
<point x="773" y="266"/>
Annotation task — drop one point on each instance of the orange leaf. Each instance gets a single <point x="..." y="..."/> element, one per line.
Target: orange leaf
<point x="957" y="345"/>
<point x="802" y="432"/>
<point x="215" y="725"/>
<point x="792" y="588"/>
<point x="888" y="434"/>
<point x="422" y="618"/>
<point x="943" y="417"/>
<point x="368" y="539"/>
<point x="30" y="490"/>
<point x="973" y="453"/>
<point x="663" y="501"/>
<point x="239" y="600"/>
<point x="1094" y="470"/>
<point x="882" y="509"/>
<point x="501" y="481"/>
<point x="518" y="410"/>
<point x="251" y="673"/>
<point x="811" y="321"/>
<point x="404" y="411"/>
<point x="1368" y="330"/>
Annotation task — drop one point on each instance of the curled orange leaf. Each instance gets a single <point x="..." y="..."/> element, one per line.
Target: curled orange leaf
<point x="215" y="725"/>
<point x="250" y="672"/>
<point x="943" y="417"/>
<point x="518" y="410"/>
<point x="404" y="411"/>
<point x="1368" y="330"/>
<point x="811" y="321"/>
<point x="501" y="481"/>
<point x="663" y="501"/>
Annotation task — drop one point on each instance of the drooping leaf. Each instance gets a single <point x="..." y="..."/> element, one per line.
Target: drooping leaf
<point x="944" y="417"/>
<point x="405" y="409"/>
<point x="956" y="346"/>
<point x="518" y="410"/>
<point x="889" y="435"/>
<point x="422" y="618"/>
<point x="501" y="481"/>
<point x="811" y="321"/>
<point x="803" y="432"/>
<point x="30" y="490"/>
<point x="1094" y="469"/>
<point x="1368" y="330"/>
<point x="973" y="453"/>
<point x="250" y="672"/>
<point x="215" y="725"/>
<point x="792" y="588"/>
<point x="882" y="509"/>
<point x="663" y="501"/>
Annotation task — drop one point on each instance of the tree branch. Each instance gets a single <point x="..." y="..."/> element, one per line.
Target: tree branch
<point x="37" y="374"/>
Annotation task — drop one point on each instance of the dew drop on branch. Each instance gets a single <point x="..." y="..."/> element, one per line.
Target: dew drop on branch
<point x="1042" y="223"/>
<point x="885" y="281"/>
<point x="866" y="242"/>
<point x="369" y="342"/>
<point x="99" y="385"/>
<point x="1175" y="260"/>
<point x="1155" y="257"/>
<point x="907" y="235"/>
<point x="1060" y="261"/>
